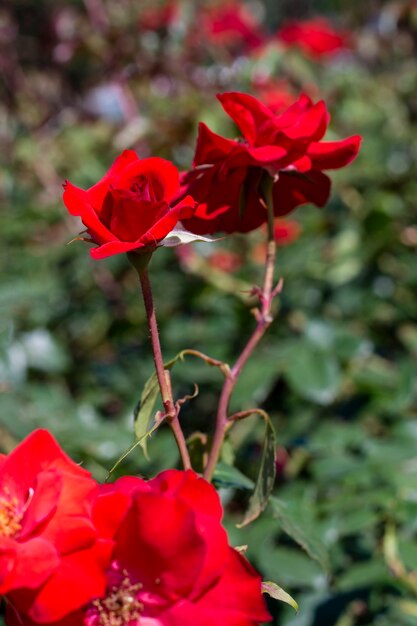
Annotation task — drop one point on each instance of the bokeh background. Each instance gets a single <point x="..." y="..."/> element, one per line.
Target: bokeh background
<point x="80" y="81"/>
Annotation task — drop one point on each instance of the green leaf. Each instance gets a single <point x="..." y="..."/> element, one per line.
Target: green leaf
<point x="313" y="373"/>
<point x="266" y="476"/>
<point x="305" y="538"/>
<point x="228" y="476"/>
<point x="276" y="592"/>
<point x="144" y="411"/>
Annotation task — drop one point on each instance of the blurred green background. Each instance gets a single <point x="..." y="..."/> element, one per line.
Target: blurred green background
<point x="337" y="371"/>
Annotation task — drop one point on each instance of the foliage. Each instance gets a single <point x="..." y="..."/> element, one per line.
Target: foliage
<point x="336" y="371"/>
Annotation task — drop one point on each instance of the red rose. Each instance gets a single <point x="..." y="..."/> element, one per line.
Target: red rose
<point x="81" y="529"/>
<point x="131" y="207"/>
<point x="44" y="511"/>
<point x="172" y="565"/>
<point x="226" y="175"/>
<point x="315" y="37"/>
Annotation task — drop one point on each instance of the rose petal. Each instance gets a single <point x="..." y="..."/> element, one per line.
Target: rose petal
<point x="77" y="202"/>
<point x="247" y="112"/>
<point x="328" y="155"/>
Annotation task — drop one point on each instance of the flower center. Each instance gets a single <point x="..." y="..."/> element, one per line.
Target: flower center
<point x="10" y="515"/>
<point x="120" y="607"/>
<point x="142" y="187"/>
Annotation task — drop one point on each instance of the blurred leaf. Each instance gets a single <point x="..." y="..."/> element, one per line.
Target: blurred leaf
<point x="313" y="373"/>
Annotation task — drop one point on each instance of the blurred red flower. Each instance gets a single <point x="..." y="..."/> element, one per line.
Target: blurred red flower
<point x="225" y="261"/>
<point x="275" y="94"/>
<point x="316" y="37"/>
<point x="130" y="208"/>
<point x="227" y="174"/>
<point x="230" y="25"/>
<point x="172" y="564"/>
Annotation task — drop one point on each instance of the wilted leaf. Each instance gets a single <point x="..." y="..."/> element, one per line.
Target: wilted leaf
<point x="276" y="592"/>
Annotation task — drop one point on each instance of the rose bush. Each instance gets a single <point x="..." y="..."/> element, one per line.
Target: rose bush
<point x="171" y="563"/>
<point x="227" y="174"/>
<point x="45" y="513"/>
<point x="131" y="207"/>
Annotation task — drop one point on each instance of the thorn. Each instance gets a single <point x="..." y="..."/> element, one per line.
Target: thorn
<point x="278" y="288"/>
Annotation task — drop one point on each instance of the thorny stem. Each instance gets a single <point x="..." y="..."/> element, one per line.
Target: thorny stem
<point x="171" y="410"/>
<point x="264" y="318"/>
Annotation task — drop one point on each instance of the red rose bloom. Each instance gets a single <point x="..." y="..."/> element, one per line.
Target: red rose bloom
<point x="227" y="174"/>
<point x="172" y="565"/>
<point x="44" y="511"/>
<point x="316" y="37"/>
<point x="131" y="207"/>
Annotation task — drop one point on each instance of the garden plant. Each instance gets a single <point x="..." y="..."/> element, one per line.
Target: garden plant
<point x="208" y="370"/>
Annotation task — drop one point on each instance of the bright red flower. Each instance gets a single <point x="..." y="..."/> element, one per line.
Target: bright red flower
<point x="81" y="574"/>
<point x="227" y="174"/>
<point x="45" y="511"/>
<point x="131" y="207"/>
<point x="172" y="564"/>
<point x="316" y="37"/>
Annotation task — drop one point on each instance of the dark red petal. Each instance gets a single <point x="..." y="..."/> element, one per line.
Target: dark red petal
<point x="97" y="192"/>
<point x="247" y="112"/>
<point x="160" y="173"/>
<point x="311" y="125"/>
<point x="212" y="148"/>
<point x="290" y="116"/>
<point x="77" y="202"/>
<point x="162" y="228"/>
<point x="114" y="247"/>
<point x="328" y="155"/>
<point x="129" y="216"/>
<point x="292" y="190"/>
<point x="227" y="202"/>
<point x="303" y="165"/>
<point x="269" y="156"/>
